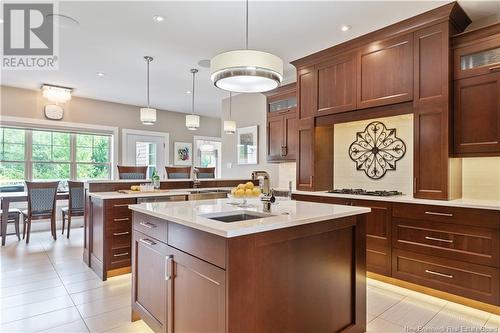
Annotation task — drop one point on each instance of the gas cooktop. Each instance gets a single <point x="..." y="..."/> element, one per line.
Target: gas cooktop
<point x="360" y="191"/>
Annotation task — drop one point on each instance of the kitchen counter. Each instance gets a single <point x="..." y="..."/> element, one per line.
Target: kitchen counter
<point x="164" y="193"/>
<point x="462" y="203"/>
<point x="287" y="213"/>
<point x="266" y="273"/>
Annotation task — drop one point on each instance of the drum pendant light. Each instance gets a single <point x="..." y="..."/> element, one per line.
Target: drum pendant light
<point x="246" y="71"/>
<point x="192" y="120"/>
<point x="148" y="115"/>
<point x="230" y="125"/>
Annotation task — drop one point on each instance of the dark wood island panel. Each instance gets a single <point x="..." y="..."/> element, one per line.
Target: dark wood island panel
<point x="303" y="278"/>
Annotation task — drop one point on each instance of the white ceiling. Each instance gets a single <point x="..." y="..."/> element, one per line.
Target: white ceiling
<point x="114" y="36"/>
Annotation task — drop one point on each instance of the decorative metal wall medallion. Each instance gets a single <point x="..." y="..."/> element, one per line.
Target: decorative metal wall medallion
<point x="376" y="150"/>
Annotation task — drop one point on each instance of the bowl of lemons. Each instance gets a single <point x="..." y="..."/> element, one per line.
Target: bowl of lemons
<point x="245" y="191"/>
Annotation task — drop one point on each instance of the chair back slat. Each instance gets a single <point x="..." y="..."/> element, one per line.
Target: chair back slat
<point x="41" y="197"/>
<point x="178" y="172"/>
<point x="132" y="172"/>
<point x="204" y="173"/>
<point x="76" y="199"/>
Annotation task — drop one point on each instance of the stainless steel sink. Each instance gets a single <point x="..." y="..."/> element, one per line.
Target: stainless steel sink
<point x="206" y="194"/>
<point x="236" y="216"/>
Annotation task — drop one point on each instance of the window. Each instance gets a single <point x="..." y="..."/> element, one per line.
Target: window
<point x="12" y="156"/>
<point x="51" y="155"/>
<point x="92" y="156"/>
<point x="208" y="154"/>
<point x="146" y="155"/>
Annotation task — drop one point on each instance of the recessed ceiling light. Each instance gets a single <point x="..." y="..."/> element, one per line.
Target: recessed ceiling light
<point x="158" y="18"/>
<point x="345" y="28"/>
<point x="188" y="92"/>
<point x="100" y="74"/>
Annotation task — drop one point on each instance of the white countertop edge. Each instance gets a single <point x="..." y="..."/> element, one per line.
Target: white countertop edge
<point x="251" y="229"/>
<point x="460" y="203"/>
<point x="118" y="195"/>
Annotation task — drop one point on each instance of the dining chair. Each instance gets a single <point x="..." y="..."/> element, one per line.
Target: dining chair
<point x="178" y="172"/>
<point x="75" y="204"/>
<point x="132" y="172"/>
<point x="13" y="217"/>
<point x="204" y="173"/>
<point x="41" y="206"/>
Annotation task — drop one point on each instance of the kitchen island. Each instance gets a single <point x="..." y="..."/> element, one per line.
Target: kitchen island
<point x="209" y="266"/>
<point x="108" y="221"/>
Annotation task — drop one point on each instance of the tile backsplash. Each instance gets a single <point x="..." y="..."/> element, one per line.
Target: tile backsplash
<point x="345" y="173"/>
<point x="481" y="178"/>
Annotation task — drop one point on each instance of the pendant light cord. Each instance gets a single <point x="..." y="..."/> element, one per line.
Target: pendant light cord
<point x="147" y="75"/>
<point x="246" y="38"/>
<point x="230" y="104"/>
<point x="192" y="97"/>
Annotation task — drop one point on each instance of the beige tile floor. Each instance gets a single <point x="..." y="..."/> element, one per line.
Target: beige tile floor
<point x="45" y="287"/>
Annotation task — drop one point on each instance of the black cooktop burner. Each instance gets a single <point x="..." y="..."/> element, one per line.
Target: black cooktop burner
<point x="359" y="191"/>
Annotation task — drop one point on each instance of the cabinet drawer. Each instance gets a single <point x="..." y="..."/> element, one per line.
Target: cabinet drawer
<point x="468" y="216"/>
<point x="461" y="242"/>
<point x="119" y="258"/>
<point x="151" y="226"/>
<point x="477" y="59"/>
<point x="119" y="239"/>
<point x="118" y="207"/>
<point x="121" y="222"/>
<point x="464" y="279"/>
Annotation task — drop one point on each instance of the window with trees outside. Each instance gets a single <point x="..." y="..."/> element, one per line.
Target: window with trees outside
<point x="34" y="154"/>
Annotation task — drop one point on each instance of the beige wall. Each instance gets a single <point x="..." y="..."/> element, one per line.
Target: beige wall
<point x="247" y="110"/>
<point x="18" y="102"/>
<point x="481" y="178"/>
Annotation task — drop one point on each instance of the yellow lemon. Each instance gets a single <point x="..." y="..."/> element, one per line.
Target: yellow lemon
<point x="134" y="188"/>
<point x="248" y="192"/>
<point x="233" y="190"/>
<point x="256" y="192"/>
<point x="249" y="185"/>
<point x="239" y="193"/>
<point x="241" y="187"/>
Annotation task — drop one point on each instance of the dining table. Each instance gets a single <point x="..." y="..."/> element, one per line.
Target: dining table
<point x="8" y="197"/>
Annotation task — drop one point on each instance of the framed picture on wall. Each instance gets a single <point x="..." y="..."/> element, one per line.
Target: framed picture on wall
<point x="248" y="145"/>
<point x="183" y="153"/>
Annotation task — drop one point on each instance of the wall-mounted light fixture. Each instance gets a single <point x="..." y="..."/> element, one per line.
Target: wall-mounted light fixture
<point x="55" y="94"/>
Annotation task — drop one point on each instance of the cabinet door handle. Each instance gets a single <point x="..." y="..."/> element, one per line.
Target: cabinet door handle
<point x="147" y="241"/>
<point x="168" y="267"/>
<point x="439" y="214"/>
<point x="449" y="276"/>
<point x="439" y="239"/>
<point x="495" y="68"/>
<point x="148" y="225"/>
<point x="121" y="205"/>
<point x="120" y="254"/>
<point x="121" y="233"/>
<point x="121" y="220"/>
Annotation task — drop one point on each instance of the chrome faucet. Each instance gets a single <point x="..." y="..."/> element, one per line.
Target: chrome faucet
<point x="267" y="201"/>
<point x="196" y="181"/>
<point x="264" y="181"/>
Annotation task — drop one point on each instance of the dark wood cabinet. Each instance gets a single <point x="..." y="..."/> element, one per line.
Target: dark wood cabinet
<point x="337" y="85"/>
<point x="477" y="93"/>
<point x="451" y="249"/>
<point x="282" y="124"/>
<point x="149" y="289"/>
<point x="400" y="69"/>
<point x="197" y="295"/>
<point x="306" y="92"/>
<point x="385" y="72"/>
<point x="477" y="115"/>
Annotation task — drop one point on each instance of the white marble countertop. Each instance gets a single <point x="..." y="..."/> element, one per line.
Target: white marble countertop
<point x="104" y="181"/>
<point x="463" y="203"/>
<point x="285" y="214"/>
<point x="163" y="193"/>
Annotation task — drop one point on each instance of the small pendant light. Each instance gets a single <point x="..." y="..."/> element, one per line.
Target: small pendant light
<point x="148" y="115"/>
<point x="230" y="125"/>
<point x="192" y="120"/>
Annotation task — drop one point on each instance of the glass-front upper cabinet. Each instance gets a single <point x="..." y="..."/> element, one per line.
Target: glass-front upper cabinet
<point x="477" y="59"/>
<point x="283" y="104"/>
